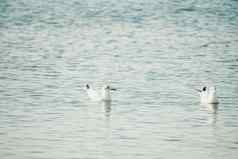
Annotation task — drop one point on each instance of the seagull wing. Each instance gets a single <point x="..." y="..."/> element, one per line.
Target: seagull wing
<point x="93" y="95"/>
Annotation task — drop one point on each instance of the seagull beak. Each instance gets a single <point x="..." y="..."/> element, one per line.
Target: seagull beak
<point x="113" y="89"/>
<point x="198" y="90"/>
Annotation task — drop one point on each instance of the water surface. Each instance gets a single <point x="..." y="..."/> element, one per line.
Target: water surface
<point x="154" y="52"/>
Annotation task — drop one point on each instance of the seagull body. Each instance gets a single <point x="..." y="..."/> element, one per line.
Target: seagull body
<point x="92" y="94"/>
<point x="95" y="96"/>
<point x="208" y="95"/>
<point x="106" y="96"/>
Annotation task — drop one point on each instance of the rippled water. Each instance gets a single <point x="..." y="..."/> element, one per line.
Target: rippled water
<point x="153" y="52"/>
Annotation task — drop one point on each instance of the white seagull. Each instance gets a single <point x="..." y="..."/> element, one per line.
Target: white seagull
<point x="105" y="94"/>
<point x="208" y="95"/>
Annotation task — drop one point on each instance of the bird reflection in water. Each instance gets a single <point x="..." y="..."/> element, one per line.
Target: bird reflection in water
<point x="212" y="108"/>
<point x="107" y="107"/>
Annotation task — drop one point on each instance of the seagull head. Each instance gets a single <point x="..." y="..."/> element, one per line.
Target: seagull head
<point x="108" y="88"/>
<point x="204" y="89"/>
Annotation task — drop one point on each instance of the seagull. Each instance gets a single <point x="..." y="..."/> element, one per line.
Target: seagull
<point x="208" y="95"/>
<point x="95" y="96"/>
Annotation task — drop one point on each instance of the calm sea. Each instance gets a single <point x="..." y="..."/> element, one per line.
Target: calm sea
<point x="155" y="52"/>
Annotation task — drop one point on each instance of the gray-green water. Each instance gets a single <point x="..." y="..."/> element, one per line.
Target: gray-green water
<point x="154" y="52"/>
